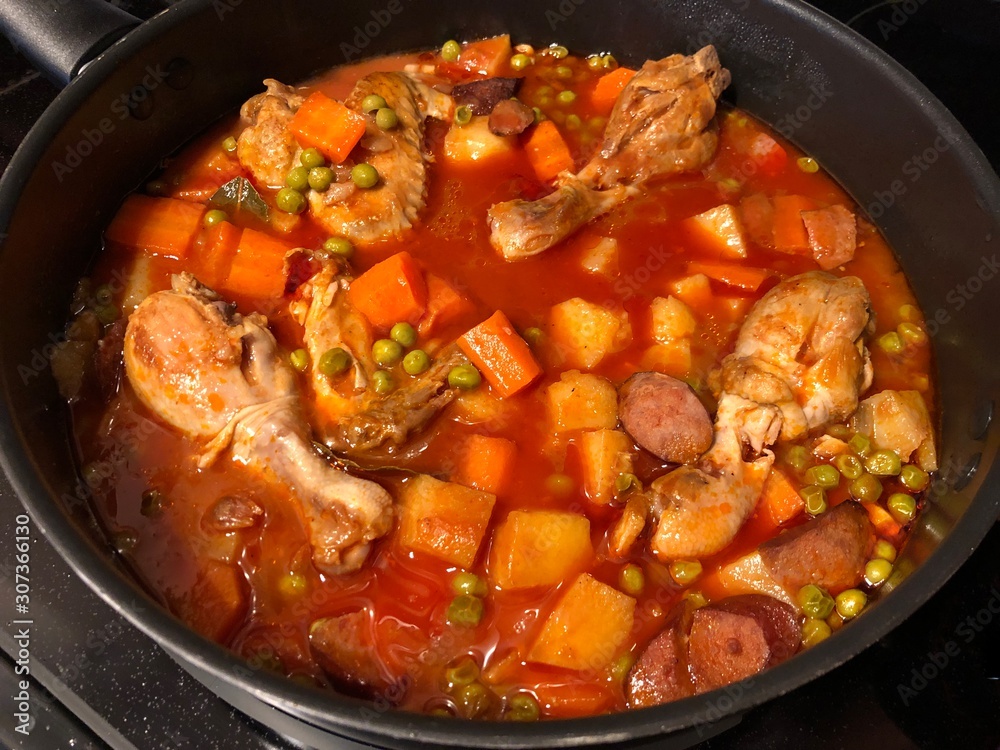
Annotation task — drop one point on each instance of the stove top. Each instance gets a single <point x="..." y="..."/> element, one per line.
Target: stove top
<point x="933" y="682"/>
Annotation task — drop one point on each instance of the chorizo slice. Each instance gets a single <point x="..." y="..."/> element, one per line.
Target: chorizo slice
<point x="344" y="647"/>
<point x="664" y="416"/>
<point x="482" y="96"/>
<point x="829" y="551"/>
<point x="510" y="117"/>
<point x="660" y="673"/>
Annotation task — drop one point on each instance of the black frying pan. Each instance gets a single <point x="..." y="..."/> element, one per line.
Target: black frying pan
<point x="888" y="141"/>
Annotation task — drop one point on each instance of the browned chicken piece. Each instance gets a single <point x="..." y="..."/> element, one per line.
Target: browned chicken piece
<point x="217" y="376"/>
<point x="802" y="348"/>
<point x="660" y="125"/>
<point x="267" y="147"/>
<point x="350" y="416"/>
<point x="899" y="421"/>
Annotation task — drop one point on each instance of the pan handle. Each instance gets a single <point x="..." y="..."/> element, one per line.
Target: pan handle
<point x="61" y="36"/>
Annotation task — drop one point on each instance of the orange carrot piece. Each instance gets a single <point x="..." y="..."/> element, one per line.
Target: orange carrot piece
<point x="790" y="234"/>
<point x="196" y="175"/>
<point x="390" y="292"/>
<point x="500" y="354"/>
<point x="547" y="151"/>
<point x="609" y="87"/>
<point x="780" y="499"/>
<point x="258" y="268"/>
<point x="884" y="523"/>
<point x="487" y="463"/>
<point x="445" y="305"/>
<point x="740" y="277"/>
<point x="570" y="699"/>
<point x="160" y="226"/>
<point x="487" y="57"/>
<point x="216" y="254"/>
<point x="328" y="125"/>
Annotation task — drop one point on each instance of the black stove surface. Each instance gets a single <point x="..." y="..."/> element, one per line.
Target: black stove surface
<point x="933" y="682"/>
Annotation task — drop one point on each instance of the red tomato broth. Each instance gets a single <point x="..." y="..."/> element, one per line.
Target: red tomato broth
<point x="407" y="593"/>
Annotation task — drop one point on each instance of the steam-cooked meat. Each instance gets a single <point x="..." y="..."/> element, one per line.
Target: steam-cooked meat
<point x="267" y="147"/>
<point x="830" y="550"/>
<point x="482" y="96"/>
<point x="345" y="648"/>
<point x="899" y="421"/>
<point x="510" y="117"/>
<point x="664" y="416"/>
<point x="833" y="234"/>
<point x="659" y="126"/>
<point x="232" y="512"/>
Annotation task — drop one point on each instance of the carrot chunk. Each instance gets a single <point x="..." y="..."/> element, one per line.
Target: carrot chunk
<point x="609" y="87"/>
<point x="500" y="354"/>
<point x="568" y="699"/>
<point x="390" y="292"/>
<point x="215" y="256"/>
<point x="487" y="57"/>
<point x="328" y="125"/>
<point x="258" y="268"/>
<point x="487" y="463"/>
<point x="790" y="234"/>
<point x="780" y="499"/>
<point x="445" y="305"/>
<point x="160" y="226"/>
<point x="740" y="277"/>
<point x="547" y="151"/>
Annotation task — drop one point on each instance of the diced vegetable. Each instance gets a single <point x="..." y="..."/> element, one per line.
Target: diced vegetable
<point x="587" y="627"/>
<point x="198" y="173"/>
<point x="769" y="156"/>
<point x="443" y="519"/>
<point x="445" y="305"/>
<point x="898" y="421"/>
<point x="721" y="229"/>
<point x="571" y="699"/>
<point x="486" y="57"/>
<point x="602" y="258"/>
<point x="672" y="320"/>
<point x="539" y="548"/>
<point x="780" y="500"/>
<point x="832" y="235"/>
<point x="584" y="333"/>
<point x="580" y="401"/>
<point x="740" y="277"/>
<point x="216" y="603"/>
<point x="605" y="456"/>
<point x="159" y="226"/>
<point x="216" y="255"/>
<point x="789" y="232"/>
<point x="258" y="268"/>
<point x="487" y="463"/>
<point x="884" y="523"/>
<point x="504" y="358"/>
<point x="480" y="406"/>
<point x="328" y="125"/>
<point x="670" y="359"/>
<point x="547" y="151"/>
<point x="758" y="218"/>
<point x="609" y="87"/>
<point x="391" y="291"/>
<point x="694" y="291"/>
<point x="474" y="143"/>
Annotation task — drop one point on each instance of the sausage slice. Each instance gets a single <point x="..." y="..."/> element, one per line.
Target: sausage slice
<point x="664" y="416"/>
<point x="660" y="673"/>
<point x="345" y="649"/>
<point x="483" y="95"/>
<point x="510" y="117"/>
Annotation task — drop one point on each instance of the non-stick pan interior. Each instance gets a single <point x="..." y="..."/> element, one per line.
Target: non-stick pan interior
<point x="881" y="134"/>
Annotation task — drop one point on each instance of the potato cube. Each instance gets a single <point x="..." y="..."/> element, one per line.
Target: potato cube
<point x="694" y="291"/>
<point x="443" y="519"/>
<point x="539" y="548"/>
<point x="605" y="455"/>
<point x="474" y="142"/>
<point x="585" y="333"/>
<point x="671" y="359"/>
<point x="602" y="258"/>
<point x="672" y="320"/>
<point x="721" y="228"/>
<point x="587" y="627"/>
<point x="581" y="401"/>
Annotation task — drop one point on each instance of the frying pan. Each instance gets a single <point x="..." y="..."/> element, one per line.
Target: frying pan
<point x="889" y="142"/>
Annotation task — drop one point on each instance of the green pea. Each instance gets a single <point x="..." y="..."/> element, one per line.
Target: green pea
<point x="312" y="157"/>
<point x="213" y="217"/>
<point x="684" y="572"/>
<point x="463" y="672"/>
<point x="849" y="465"/>
<point x="609" y="62"/>
<point x="908" y="313"/>
<point x="632" y="580"/>
<point x="622" y="666"/>
<point x="884" y="463"/>
<point x="839" y="431"/>
<point x="598" y="123"/>
<point x="364" y="175"/>
<point x="465" y="611"/>
<point x="884" y="550"/>
<point x="695" y="598"/>
<point x="103" y="295"/>
<point x="814" y="631"/>
<point x="450" y="50"/>
<point x="463" y="115"/>
<point x="382" y="382"/>
<point x="807" y="164"/>
<point x="573" y="122"/>
<point x="814" y="498"/>
<point x="416" y="362"/>
<point x="386" y="118"/>
<point x="564" y="71"/>
<point x="522" y="707"/>
<point x="545" y="91"/>
<point x="474" y="700"/>
<point x="815" y="602"/>
<point x="229" y="145"/>
<point x="468" y="583"/>
<point x="912" y="333"/>
<point x="339" y="246"/>
<point x="558" y="51"/>
<point x="107" y="314"/>
<point x="387" y="352"/>
<point x="595" y="63"/>
<point x="290" y="201"/>
<point x="559" y="484"/>
<point x="891" y="343"/>
<point x="865" y="488"/>
<point x="902" y="507"/>
<point x="465" y="377"/>
<point x="860" y="444"/>
<point x="299" y="360"/>
<point x="334" y="362"/>
<point x="126" y="541"/>
<point x="797" y="457"/>
<point x="404" y="334"/>
<point x="566" y="97"/>
<point x="877" y="570"/>
<point x="151" y="503"/>
<point x="298" y="178"/>
<point x="372" y="102"/>
<point x="520" y="61"/>
<point x="292" y="584"/>
<point x="626" y="482"/>
<point x="320" y="178"/>
<point x="824" y="476"/>
<point x="539" y="115"/>
<point x="849" y="603"/>
<point x="533" y="335"/>
<point x="914" y="478"/>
